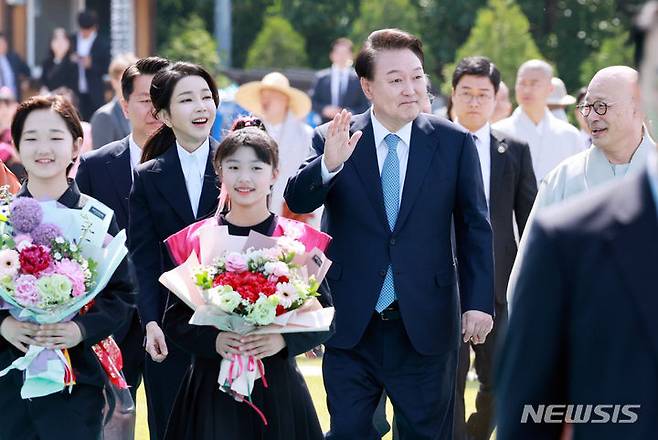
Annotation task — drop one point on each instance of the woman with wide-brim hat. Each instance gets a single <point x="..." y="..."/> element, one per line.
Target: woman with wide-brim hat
<point x="282" y="109"/>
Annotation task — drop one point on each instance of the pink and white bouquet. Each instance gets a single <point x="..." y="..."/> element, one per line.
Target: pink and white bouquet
<point x="53" y="262"/>
<point x="250" y="285"/>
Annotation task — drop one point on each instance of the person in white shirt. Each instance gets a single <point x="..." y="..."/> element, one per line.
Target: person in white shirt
<point x="510" y="188"/>
<point x="620" y="145"/>
<point x="551" y="140"/>
<point x="338" y="87"/>
<point x="92" y="54"/>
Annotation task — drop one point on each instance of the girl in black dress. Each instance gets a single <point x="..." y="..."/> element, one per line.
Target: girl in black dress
<point x="48" y="136"/>
<point x="246" y="162"/>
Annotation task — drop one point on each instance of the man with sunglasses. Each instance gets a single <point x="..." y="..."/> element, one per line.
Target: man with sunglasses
<point x="620" y="145"/>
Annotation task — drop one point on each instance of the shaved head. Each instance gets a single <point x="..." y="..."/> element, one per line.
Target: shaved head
<point x="619" y="129"/>
<point x="538" y="65"/>
<point x="617" y="80"/>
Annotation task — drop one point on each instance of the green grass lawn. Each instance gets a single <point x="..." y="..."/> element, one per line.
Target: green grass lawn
<point x="314" y="382"/>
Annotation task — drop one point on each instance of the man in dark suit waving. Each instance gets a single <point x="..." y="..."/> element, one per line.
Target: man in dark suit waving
<point x="391" y="180"/>
<point x="581" y="353"/>
<point x="510" y="188"/>
<point x="106" y="175"/>
<point x="338" y="87"/>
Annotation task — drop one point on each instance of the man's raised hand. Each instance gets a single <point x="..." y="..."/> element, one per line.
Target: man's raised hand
<point x="339" y="146"/>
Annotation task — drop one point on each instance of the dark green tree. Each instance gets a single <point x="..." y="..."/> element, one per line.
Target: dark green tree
<point x="277" y="45"/>
<point x="190" y="41"/>
<point x="614" y="50"/>
<point x="500" y="33"/>
<point x="320" y="23"/>
<point x="569" y="31"/>
<point x="173" y="11"/>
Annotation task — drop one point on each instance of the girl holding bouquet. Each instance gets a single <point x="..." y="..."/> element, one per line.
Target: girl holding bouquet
<point x="48" y="136"/>
<point x="246" y="162"/>
<point x="173" y="187"/>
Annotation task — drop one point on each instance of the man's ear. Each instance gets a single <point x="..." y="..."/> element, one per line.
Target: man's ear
<point x="367" y="87"/>
<point x="124" y="107"/>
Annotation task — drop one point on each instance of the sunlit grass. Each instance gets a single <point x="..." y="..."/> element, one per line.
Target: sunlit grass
<point x="314" y="383"/>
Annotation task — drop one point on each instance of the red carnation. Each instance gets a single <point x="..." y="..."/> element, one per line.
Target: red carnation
<point x="34" y="259"/>
<point x="248" y="284"/>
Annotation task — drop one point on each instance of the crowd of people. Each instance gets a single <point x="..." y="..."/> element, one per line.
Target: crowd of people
<point x="510" y="238"/>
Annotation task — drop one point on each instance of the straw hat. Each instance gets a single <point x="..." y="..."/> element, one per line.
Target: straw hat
<point x="248" y="95"/>
<point x="559" y="95"/>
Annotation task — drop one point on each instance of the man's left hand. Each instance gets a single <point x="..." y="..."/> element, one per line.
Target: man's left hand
<point x="476" y="326"/>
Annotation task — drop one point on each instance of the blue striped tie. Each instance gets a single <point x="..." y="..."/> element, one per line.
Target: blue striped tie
<point x="391" y="191"/>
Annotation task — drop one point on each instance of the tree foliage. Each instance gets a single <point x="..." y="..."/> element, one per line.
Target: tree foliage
<point x="277" y="45"/>
<point x="190" y="41"/>
<point x="569" y="31"/>
<point x="614" y="50"/>
<point x="320" y="22"/>
<point x="501" y="33"/>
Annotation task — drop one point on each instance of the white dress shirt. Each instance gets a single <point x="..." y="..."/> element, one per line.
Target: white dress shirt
<point x="84" y="50"/>
<point x="8" y="79"/>
<point x="380" y="132"/>
<point x="339" y="79"/>
<point x="135" y="153"/>
<point x="483" y="145"/>
<point x="551" y="141"/>
<point x="194" y="168"/>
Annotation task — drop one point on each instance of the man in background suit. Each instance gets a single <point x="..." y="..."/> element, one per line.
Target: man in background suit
<point x="338" y="87"/>
<point x="391" y="181"/>
<point x="510" y="188"/>
<point x="584" y="328"/>
<point x="92" y="53"/>
<point x="13" y="70"/>
<point x="106" y="175"/>
<point x="109" y="123"/>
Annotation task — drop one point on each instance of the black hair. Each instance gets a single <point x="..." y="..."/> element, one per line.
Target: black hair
<point x="477" y="66"/>
<point x="248" y="132"/>
<point x="87" y="19"/>
<point x="145" y="66"/>
<point x="385" y="39"/>
<point x="162" y="87"/>
<point x="57" y="103"/>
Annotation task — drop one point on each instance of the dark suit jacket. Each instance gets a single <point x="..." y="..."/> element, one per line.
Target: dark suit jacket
<point x="513" y="188"/>
<point x="583" y="326"/>
<point x="20" y="69"/>
<point x="97" y="324"/>
<point x="64" y="74"/>
<point x="100" y="62"/>
<point x="105" y="175"/>
<point x="108" y="124"/>
<point x="159" y="207"/>
<point x="443" y="180"/>
<point x="353" y="99"/>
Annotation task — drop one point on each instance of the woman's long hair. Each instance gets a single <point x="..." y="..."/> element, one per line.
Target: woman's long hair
<point x="162" y="87"/>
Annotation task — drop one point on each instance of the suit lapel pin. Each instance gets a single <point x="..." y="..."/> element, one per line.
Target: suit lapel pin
<point x="502" y="147"/>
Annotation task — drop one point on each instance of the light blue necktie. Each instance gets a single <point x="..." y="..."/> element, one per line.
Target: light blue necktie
<point x="391" y="190"/>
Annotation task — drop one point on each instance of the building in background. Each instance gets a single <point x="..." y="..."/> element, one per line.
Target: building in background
<point x="28" y="24"/>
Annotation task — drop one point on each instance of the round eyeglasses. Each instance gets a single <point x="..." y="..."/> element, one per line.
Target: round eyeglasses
<point x="600" y="108"/>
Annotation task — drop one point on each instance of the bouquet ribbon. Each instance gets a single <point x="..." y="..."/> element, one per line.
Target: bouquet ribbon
<point x="246" y="373"/>
<point x="109" y="355"/>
